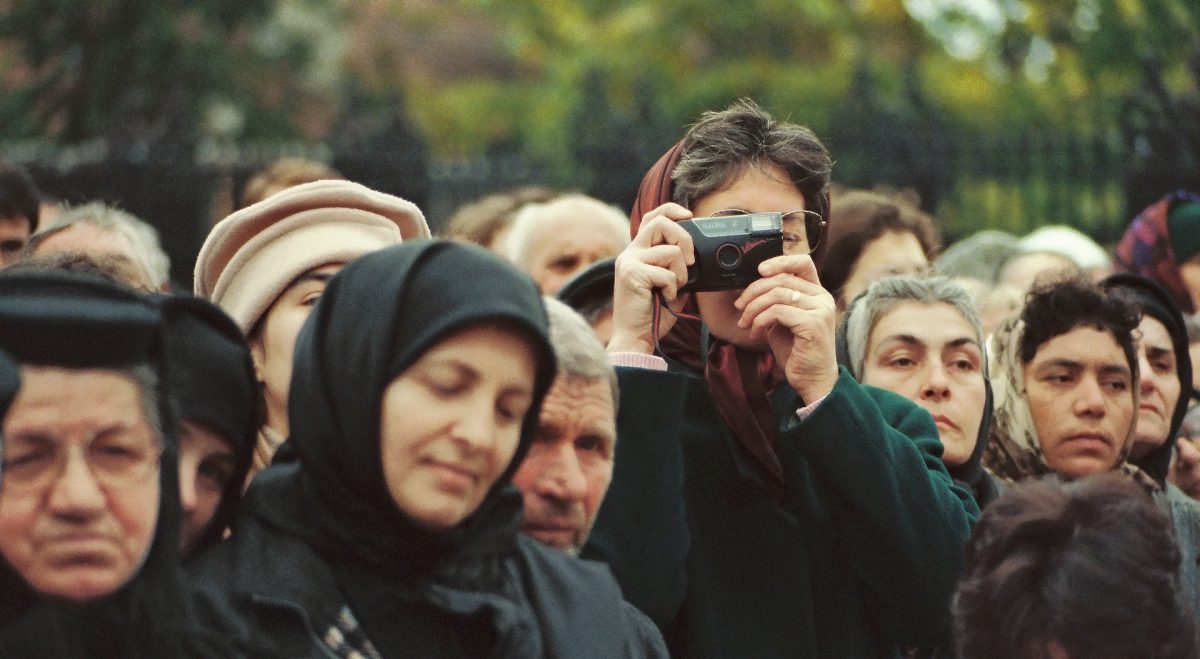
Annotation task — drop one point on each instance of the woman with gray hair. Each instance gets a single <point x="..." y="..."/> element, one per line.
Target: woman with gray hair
<point x="920" y="337"/>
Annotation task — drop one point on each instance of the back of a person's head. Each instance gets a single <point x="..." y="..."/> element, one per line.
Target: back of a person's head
<point x="485" y="220"/>
<point x="282" y="174"/>
<point x="18" y="196"/>
<point x="1085" y="570"/>
<point x="1059" y="307"/>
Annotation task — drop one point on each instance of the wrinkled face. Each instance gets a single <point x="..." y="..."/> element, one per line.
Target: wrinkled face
<point x="568" y="468"/>
<point x="1081" y="399"/>
<point x="14" y="233"/>
<point x="451" y="422"/>
<point x="79" y="502"/>
<point x="892" y="253"/>
<point x="274" y="340"/>
<point x="566" y="243"/>
<point x="761" y="189"/>
<point x="1158" y="382"/>
<point x="929" y="354"/>
<point x="206" y="465"/>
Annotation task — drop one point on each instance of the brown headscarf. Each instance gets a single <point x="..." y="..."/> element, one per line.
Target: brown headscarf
<point x="737" y="379"/>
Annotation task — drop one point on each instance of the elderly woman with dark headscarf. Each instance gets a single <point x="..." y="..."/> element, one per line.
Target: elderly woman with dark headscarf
<point x="921" y="338"/>
<point x="89" y="518"/>
<point x="393" y="531"/>
<point x="1164" y="380"/>
<point x="211" y="380"/>
<point x="768" y="505"/>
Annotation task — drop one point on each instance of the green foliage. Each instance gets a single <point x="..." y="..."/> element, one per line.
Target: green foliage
<point x="137" y="68"/>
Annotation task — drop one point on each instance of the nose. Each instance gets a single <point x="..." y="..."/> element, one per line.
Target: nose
<point x="937" y="385"/>
<point x="1090" y="398"/>
<point x="562" y="476"/>
<point x="187" y="487"/>
<point x="476" y="424"/>
<point x="76" y="493"/>
<point x="1145" y="381"/>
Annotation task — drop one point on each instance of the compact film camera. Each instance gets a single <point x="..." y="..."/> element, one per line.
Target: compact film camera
<point x="729" y="249"/>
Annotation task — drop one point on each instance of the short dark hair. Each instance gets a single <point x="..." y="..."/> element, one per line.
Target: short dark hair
<point x="1061" y="306"/>
<point x="1090" y="566"/>
<point x="721" y="145"/>
<point x="863" y="216"/>
<point x="18" y="196"/>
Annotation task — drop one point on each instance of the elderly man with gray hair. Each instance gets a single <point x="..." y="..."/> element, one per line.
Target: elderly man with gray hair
<point x="554" y="240"/>
<point x="104" y="232"/>
<point x="568" y="469"/>
<point x="920" y="337"/>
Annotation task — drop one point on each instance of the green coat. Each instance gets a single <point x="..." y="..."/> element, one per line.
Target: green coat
<point x="858" y="559"/>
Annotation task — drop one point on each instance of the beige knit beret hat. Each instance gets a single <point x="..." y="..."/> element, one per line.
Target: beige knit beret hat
<point x="252" y="256"/>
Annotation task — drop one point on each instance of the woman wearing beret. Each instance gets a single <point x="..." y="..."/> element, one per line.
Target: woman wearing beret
<point x="393" y="531"/>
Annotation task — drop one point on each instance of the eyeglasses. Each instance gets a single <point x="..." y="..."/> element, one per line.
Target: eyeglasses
<point x="117" y="457"/>
<point x="802" y="230"/>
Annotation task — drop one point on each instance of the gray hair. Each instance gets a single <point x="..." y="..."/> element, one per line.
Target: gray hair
<point x="886" y="293"/>
<point x="576" y="348"/>
<point x="146" y="379"/>
<point x="527" y="221"/>
<point x="142" y="237"/>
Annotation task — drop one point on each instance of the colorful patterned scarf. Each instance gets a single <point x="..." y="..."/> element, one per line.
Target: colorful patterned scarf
<point x="1146" y="250"/>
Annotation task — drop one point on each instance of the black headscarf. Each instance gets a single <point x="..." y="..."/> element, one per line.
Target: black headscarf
<point x="211" y="381"/>
<point x="376" y="317"/>
<point x="1152" y="299"/>
<point x="78" y="321"/>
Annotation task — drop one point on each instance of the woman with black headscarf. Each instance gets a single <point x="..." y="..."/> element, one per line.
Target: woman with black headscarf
<point x="211" y="381"/>
<point x="1165" y="383"/>
<point x="90" y="551"/>
<point x="417" y="385"/>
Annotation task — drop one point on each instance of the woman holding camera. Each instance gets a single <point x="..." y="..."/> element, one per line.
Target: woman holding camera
<point x="387" y="526"/>
<point x="764" y="503"/>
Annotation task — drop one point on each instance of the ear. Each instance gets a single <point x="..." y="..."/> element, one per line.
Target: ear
<point x="258" y="356"/>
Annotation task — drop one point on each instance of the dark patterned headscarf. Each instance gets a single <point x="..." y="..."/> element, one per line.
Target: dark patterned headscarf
<point x="1146" y="248"/>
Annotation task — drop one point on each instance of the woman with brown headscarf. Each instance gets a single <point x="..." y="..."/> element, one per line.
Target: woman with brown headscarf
<point x="768" y="505"/>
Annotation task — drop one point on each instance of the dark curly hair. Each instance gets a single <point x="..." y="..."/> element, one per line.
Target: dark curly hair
<point x="1089" y="566"/>
<point x="1057" y="308"/>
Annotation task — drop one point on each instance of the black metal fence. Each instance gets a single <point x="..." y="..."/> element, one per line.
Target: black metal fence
<point x="1010" y="182"/>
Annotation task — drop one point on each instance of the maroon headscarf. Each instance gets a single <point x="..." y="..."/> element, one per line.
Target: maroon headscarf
<point x="738" y="379"/>
<point x="1146" y="250"/>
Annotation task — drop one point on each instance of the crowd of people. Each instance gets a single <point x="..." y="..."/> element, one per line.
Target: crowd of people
<point x="759" y="415"/>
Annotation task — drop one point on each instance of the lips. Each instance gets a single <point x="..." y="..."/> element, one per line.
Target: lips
<point x="1089" y="438"/>
<point x="558" y="534"/>
<point x="454" y="476"/>
<point x="943" y="420"/>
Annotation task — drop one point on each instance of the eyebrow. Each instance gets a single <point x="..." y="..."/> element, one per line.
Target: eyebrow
<point x="313" y="276"/>
<point x="1158" y="351"/>
<point x="913" y="340"/>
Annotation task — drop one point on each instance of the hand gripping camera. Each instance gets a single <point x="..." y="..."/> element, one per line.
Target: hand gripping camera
<point x="729" y="249"/>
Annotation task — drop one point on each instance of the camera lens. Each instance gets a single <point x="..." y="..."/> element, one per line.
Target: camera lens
<point x="729" y="256"/>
